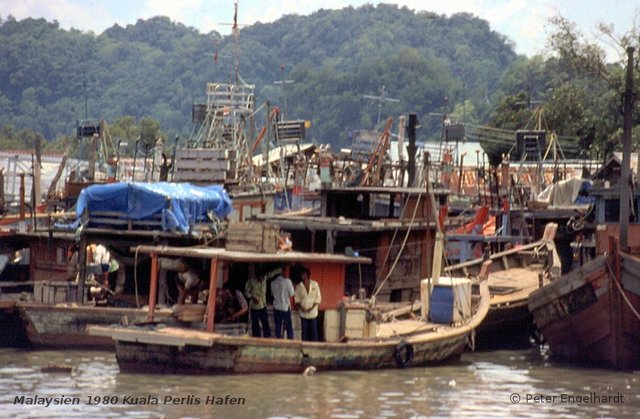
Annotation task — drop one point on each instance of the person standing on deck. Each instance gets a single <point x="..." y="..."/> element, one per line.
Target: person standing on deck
<point x="97" y="261"/>
<point x="282" y="290"/>
<point x="308" y="298"/>
<point x="231" y="306"/>
<point x="256" y="292"/>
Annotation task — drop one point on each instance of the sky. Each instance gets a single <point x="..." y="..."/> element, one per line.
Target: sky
<point x="523" y="21"/>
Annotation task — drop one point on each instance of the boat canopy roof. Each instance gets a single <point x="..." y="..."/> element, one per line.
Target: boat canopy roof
<point x="178" y="204"/>
<point x="238" y="256"/>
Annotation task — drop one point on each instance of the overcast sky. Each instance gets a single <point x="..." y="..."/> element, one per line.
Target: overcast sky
<point x="522" y="21"/>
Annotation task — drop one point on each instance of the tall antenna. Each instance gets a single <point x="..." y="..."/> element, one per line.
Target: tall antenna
<point x="381" y="98"/>
<point x="85" y="84"/>
<point x="235" y="31"/>
<point x="282" y="84"/>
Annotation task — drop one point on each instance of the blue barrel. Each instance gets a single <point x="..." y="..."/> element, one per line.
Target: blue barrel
<point x="441" y="305"/>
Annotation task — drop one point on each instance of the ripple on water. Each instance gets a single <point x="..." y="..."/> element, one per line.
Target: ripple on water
<point x="483" y="383"/>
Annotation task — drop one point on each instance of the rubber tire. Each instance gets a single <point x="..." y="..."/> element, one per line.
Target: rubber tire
<point x="403" y="354"/>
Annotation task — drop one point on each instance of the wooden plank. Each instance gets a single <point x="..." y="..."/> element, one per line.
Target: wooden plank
<point x="199" y="176"/>
<point x="250" y="247"/>
<point x="168" y="336"/>
<point x="244" y="247"/>
<point x="253" y="236"/>
<point x="115" y="221"/>
<point x="202" y="164"/>
<point x="631" y="282"/>
<point x="241" y="226"/>
<point x="204" y="153"/>
<point x="588" y="273"/>
<point x="216" y="252"/>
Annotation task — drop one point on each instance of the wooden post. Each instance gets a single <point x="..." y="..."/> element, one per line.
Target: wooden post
<point x="428" y="209"/>
<point x="625" y="178"/>
<point x="22" y="192"/>
<point x="92" y="156"/>
<point x="460" y="174"/>
<point x="412" y="149"/>
<point x="330" y="242"/>
<point x="51" y="193"/>
<point x="401" y="155"/>
<point x="213" y="289"/>
<point x="615" y="301"/>
<point x="82" y="260"/>
<point x="265" y="151"/>
<point x="2" y="190"/>
<point x="37" y="175"/>
<point x="153" y="290"/>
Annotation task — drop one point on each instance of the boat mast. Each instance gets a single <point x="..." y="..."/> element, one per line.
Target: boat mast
<point x="625" y="179"/>
<point x="381" y="99"/>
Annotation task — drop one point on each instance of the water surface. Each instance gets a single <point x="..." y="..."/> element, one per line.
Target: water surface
<point x="484" y="384"/>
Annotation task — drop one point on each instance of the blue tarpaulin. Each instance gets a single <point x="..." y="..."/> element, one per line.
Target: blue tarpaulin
<point x="178" y="204"/>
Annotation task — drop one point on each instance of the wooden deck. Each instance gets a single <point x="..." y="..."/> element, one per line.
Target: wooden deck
<point x="513" y="285"/>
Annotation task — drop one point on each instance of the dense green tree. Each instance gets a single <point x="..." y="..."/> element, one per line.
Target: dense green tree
<point x="577" y="95"/>
<point x="144" y="78"/>
<point x="158" y="68"/>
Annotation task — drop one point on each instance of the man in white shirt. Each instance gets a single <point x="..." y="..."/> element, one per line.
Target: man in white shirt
<point x="308" y="298"/>
<point x="282" y="290"/>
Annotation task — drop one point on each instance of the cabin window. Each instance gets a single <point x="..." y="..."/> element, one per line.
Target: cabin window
<point x="612" y="210"/>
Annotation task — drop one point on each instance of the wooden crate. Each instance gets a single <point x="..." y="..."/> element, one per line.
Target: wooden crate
<point x="252" y="237"/>
<point x="204" y="165"/>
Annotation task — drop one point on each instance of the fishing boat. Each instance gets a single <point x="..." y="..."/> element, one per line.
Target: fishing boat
<point x="115" y="216"/>
<point x="513" y="276"/>
<point x="64" y="326"/>
<point x="403" y="343"/>
<point x="591" y="315"/>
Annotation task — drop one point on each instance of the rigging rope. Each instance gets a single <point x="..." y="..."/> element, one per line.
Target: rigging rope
<point x="404" y="242"/>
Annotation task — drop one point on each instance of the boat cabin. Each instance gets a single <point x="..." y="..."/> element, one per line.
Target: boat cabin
<point x="327" y="270"/>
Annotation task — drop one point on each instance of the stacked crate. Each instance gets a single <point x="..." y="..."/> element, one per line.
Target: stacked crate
<point x="204" y="165"/>
<point x="252" y="237"/>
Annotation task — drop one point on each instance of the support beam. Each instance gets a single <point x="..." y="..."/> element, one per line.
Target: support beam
<point x="213" y="289"/>
<point x="153" y="290"/>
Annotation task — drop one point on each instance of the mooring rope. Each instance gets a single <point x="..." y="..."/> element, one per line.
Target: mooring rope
<point x="624" y="296"/>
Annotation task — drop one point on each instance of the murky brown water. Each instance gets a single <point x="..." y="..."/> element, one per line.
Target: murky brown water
<point x="485" y="384"/>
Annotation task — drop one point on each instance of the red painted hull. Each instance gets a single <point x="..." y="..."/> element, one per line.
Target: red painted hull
<point x="588" y="315"/>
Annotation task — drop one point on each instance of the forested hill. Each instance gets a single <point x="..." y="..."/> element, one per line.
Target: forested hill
<point x="158" y="68"/>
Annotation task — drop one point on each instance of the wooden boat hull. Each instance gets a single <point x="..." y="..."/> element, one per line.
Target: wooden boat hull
<point x="182" y="351"/>
<point x="65" y="326"/>
<point x="585" y="318"/>
<point x="249" y="355"/>
<point x="12" y="333"/>
<point x="506" y="327"/>
<point x="514" y="275"/>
